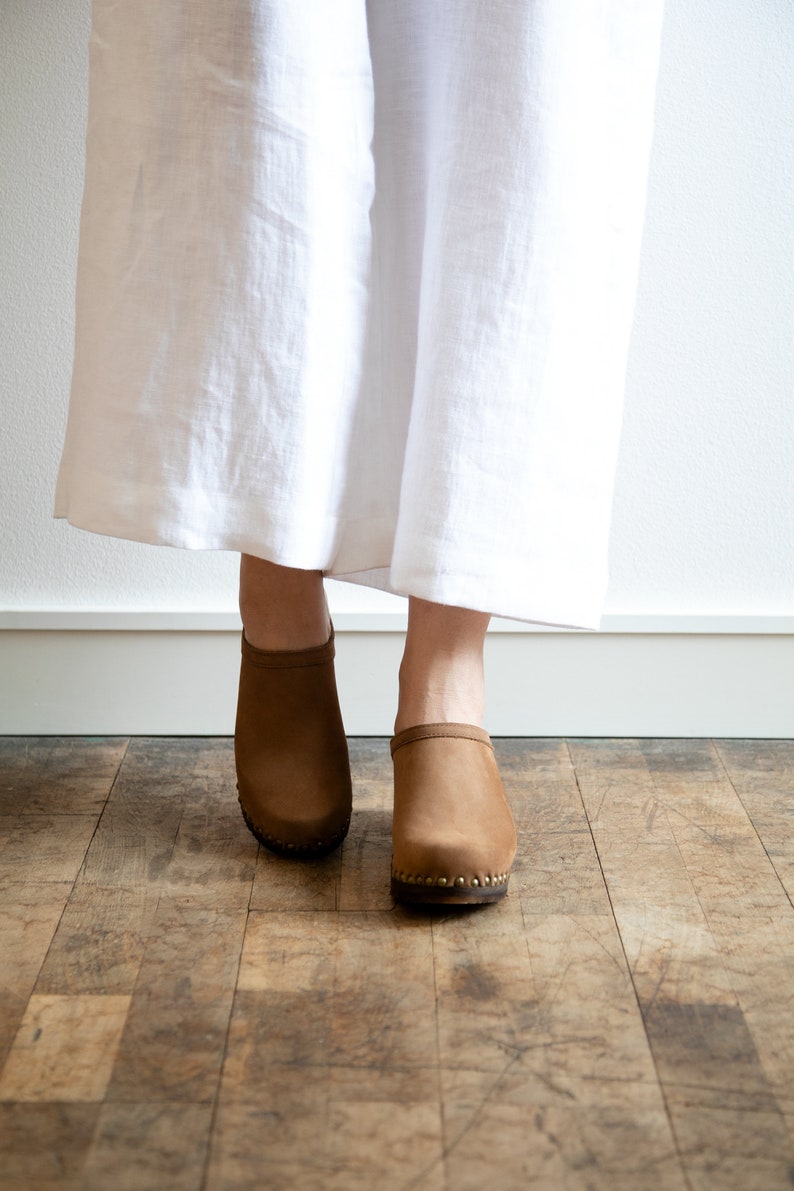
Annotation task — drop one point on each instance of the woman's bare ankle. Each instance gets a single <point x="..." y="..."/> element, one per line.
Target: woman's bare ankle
<point x="450" y="704"/>
<point x="441" y="674"/>
<point x="282" y="608"/>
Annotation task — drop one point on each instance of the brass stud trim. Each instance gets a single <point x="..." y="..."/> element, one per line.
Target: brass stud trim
<point x="490" y="881"/>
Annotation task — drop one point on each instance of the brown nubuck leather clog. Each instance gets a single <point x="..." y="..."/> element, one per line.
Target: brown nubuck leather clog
<point x="454" y="839"/>
<point x="293" y="769"/>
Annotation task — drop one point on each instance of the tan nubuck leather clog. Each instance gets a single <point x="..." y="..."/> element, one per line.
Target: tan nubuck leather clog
<point x="293" y="769"/>
<point x="454" y="839"/>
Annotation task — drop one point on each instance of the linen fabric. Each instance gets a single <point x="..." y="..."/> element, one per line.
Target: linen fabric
<point x="355" y="287"/>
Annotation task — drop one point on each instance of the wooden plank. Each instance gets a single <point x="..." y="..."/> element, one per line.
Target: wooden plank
<point x="365" y="877"/>
<point x="762" y="773"/>
<point x="277" y="1143"/>
<point x="706" y="933"/>
<point x="732" y="1147"/>
<point x="64" y="1049"/>
<point x="289" y="952"/>
<point x="587" y="1015"/>
<point x="51" y="775"/>
<point x="384" y="997"/>
<point x="331" y="1068"/>
<point x="705" y="1046"/>
<point x="45" y="1145"/>
<point x="759" y="957"/>
<point x="390" y="1085"/>
<point x="301" y="1132"/>
<point x="46" y="848"/>
<point x="148" y="1145"/>
<point x="755" y="758"/>
<point x="360" y="1146"/>
<point x="516" y="1129"/>
<point x="175" y="1032"/>
<point x="611" y="759"/>
<point x="99" y="944"/>
<point x="670" y="948"/>
<point x="751" y="921"/>
<point x="546" y="1072"/>
<point x="282" y="885"/>
<point x="672" y="952"/>
<point x="557" y="999"/>
<point x="214" y="857"/>
<point x="160" y="781"/>
<point x="556" y="869"/>
<point x="314" y="993"/>
<point x="29" y="916"/>
<point x="690" y="759"/>
<point x="486" y="1001"/>
<point x="719" y="846"/>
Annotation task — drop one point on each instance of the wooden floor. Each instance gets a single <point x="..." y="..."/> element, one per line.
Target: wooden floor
<point x="179" y="1009"/>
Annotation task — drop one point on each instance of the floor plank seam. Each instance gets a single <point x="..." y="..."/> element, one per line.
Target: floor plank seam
<point x="442" y="1161"/>
<point x="667" y="1108"/>
<point x="205" y="1173"/>
<point x="789" y="897"/>
<point x="102" y="813"/>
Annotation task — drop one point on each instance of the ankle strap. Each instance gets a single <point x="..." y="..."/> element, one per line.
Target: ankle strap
<point x="442" y="731"/>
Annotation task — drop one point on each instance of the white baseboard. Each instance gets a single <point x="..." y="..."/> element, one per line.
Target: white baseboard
<point x="162" y="674"/>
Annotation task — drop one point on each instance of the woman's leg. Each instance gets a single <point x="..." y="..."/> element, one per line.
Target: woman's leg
<point x="441" y="675"/>
<point x="281" y="607"/>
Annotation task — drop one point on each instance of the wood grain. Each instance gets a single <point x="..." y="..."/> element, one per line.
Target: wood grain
<point x="29" y="916"/>
<point x="173" y="1041"/>
<point x="214" y="856"/>
<point x="557" y="869"/>
<point x="179" y="1008"/>
<point x="319" y="1144"/>
<point x="64" y="1049"/>
<point x="148" y="1145"/>
<point x="377" y="953"/>
<point x="707" y="931"/>
<point x="45" y="1145"/>
<point x="296" y="885"/>
<point x="57" y="775"/>
<point x="762" y="774"/>
<point x="160" y="782"/>
<point x="46" y="848"/>
<point x="99" y="944"/>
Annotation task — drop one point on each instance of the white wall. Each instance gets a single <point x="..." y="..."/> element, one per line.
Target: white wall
<point x="704" y="508"/>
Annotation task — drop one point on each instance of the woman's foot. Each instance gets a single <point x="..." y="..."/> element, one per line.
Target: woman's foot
<point x="453" y="834"/>
<point x="293" y="771"/>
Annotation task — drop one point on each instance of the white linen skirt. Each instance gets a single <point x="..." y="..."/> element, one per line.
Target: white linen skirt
<point x="355" y="287"/>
